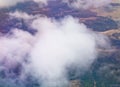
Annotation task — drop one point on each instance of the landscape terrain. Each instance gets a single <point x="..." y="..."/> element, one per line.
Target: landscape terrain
<point x="105" y="70"/>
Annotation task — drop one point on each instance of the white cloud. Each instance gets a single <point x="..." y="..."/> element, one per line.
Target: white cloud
<point x="41" y="1"/>
<point x="86" y="4"/>
<point x="81" y="4"/>
<point x="14" y="47"/>
<point x="21" y="15"/>
<point x="56" y="45"/>
<point x="60" y="44"/>
<point x="8" y="3"/>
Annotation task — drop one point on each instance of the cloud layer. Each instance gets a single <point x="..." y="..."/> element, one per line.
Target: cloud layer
<point x="58" y="44"/>
<point x="73" y="3"/>
<point x="85" y="4"/>
<point x="41" y="1"/>
<point x="8" y="3"/>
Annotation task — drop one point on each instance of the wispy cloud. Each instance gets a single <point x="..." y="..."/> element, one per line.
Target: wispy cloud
<point x="86" y="4"/>
<point x="73" y="3"/>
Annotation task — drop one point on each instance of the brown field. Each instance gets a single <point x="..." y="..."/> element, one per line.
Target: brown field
<point x="114" y="12"/>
